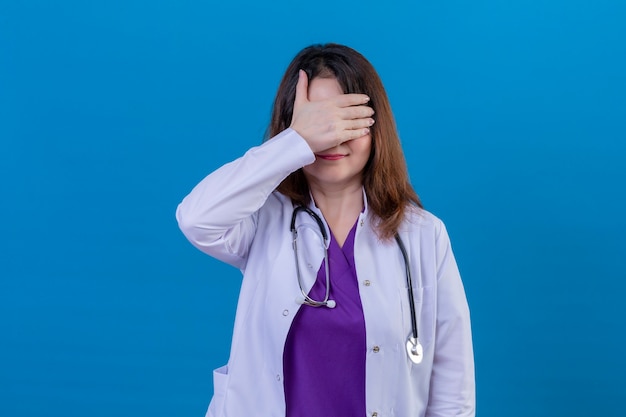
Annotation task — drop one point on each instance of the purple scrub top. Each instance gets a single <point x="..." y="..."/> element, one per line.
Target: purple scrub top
<point x="324" y="356"/>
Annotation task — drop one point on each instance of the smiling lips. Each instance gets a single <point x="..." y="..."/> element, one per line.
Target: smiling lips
<point x="331" y="157"/>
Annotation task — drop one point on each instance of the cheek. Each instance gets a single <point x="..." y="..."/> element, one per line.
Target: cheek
<point x="363" y="147"/>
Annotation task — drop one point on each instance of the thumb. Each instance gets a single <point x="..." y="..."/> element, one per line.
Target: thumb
<point x="302" y="88"/>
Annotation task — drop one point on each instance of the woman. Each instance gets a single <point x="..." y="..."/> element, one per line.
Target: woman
<point x="332" y="318"/>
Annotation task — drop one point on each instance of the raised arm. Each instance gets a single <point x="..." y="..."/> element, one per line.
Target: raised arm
<point x="219" y="215"/>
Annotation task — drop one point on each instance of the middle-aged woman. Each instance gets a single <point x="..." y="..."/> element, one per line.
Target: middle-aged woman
<point x="351" y="302"/>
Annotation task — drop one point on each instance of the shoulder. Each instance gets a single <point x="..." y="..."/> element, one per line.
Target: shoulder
<point x="277" y="200"/>
<point x="275" y="207"/>
<point x="419" y="220"/>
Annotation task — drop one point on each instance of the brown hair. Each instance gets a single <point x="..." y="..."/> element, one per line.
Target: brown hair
<point x="385" y="176"/>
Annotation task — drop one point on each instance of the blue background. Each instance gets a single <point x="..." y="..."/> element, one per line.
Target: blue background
<point x="513" y="118"/>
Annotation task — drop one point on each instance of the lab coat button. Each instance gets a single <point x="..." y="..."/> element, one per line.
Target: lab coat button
<point x="376" y="349"/>
<point x="278" y="377"/>
<point x="310" y="266"/>
<point x="285" y="313"/>
<point x="367" y="283"/>
<point x="374" y="414"/>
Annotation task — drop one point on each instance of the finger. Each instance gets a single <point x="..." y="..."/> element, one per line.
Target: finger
<point x="302" y="87"/>
<point x="358" y="124"/>
<point x="354" y="129"/>
<point x="347" y="100"/>
<point x="347" y="135"/>
<point x="356" y="112"/>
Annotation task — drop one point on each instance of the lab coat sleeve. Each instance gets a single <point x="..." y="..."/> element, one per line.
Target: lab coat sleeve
<point x="452" y="386"/>
<point x="219" y="215"/>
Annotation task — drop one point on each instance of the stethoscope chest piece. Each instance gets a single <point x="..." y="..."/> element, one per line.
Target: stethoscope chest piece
<point x="414" y="349"/>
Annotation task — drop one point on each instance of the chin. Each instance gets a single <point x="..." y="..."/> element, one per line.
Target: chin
<point x="330" y="180"/>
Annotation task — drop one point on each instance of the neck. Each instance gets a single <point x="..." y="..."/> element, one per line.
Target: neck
<point x="340" y="207"/>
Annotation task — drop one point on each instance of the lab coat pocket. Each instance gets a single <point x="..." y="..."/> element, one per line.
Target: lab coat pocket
<point x="424" y="312"/>
<point x="220" y="378"/>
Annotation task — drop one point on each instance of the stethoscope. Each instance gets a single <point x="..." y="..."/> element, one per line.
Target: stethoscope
<point x="413" y="346"/>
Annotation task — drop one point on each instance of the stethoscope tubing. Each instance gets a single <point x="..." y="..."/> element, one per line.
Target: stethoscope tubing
<point x="314" y="303"/>
<point x="308" y="300"/>
<point x="409" y="284"/>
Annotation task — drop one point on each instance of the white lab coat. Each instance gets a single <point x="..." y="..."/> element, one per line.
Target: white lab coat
<point x="235" y="215"/>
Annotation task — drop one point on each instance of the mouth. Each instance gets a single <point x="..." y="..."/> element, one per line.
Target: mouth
<point x="331" y="157"/>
